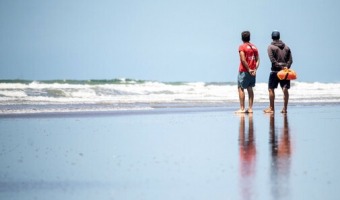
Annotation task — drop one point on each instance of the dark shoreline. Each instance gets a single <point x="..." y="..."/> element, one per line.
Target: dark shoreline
<point x="156" y="110"/>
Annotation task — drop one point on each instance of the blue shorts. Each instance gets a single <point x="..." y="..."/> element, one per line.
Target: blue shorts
<point x="274" y="81"/>
<point x="245" y="80"/>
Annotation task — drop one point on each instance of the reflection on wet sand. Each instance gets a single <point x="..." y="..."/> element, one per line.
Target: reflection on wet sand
<point x="280" y="155"/>
<point x="280" y="146"/>
<point x="247" y="150"/>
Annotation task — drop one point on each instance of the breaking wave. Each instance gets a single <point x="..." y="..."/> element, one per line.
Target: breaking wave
<point x="21" y="96"/>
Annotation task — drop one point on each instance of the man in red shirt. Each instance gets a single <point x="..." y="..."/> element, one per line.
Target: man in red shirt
<point x="250" y="61"/>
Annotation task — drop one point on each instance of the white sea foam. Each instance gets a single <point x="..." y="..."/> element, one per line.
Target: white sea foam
<point x="126" y="93"/>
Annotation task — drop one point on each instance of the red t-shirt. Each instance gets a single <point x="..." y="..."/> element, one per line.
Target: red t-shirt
<point x="250" y="52"/>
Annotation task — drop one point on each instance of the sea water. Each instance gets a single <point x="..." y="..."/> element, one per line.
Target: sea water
<point x="27" y="97"/>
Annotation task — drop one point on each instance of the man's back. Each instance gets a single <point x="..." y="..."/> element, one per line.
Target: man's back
<point x="280" y="55"/>
<point x="251" y="53"/>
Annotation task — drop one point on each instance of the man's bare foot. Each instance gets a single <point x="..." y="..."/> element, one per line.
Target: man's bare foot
<point x="268" y="110"/>
<point x="249" y="110"/>
<point x="240" y="111"/>
<point x="284" y="111"/>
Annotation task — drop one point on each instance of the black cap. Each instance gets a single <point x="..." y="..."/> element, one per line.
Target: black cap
<point x="275" y="35"/>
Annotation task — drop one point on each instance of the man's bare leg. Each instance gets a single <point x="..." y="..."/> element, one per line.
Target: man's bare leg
<point x="241" y="95"/>
<point x="271" y="108"/>
<point x="251" y="99"/>
<point x="285" y="100"/>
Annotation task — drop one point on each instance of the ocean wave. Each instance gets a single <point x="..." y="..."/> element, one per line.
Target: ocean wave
<point x="76" y="82"/>
<point x="138" y="93"/>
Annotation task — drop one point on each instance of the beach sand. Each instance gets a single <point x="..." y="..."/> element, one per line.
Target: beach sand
<point x="206" y="153"/>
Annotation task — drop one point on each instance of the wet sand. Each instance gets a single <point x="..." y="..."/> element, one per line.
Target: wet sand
<point x="178" y="154"/>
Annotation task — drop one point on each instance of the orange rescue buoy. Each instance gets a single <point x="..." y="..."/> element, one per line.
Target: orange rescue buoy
<point x="286" y="74"/>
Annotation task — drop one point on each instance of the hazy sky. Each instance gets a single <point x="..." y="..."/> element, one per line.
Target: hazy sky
<point x="165" y="40"/>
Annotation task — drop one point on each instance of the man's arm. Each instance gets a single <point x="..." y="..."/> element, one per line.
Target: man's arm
<point x="271" y="57"/>
<point x="243" y="60"/>
<point x="257" y="61"/>
<point x="290" y="59"/>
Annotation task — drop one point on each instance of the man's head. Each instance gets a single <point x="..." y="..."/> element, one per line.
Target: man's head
<point x="245" y="36"/>
<point x="275" y="35"/>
